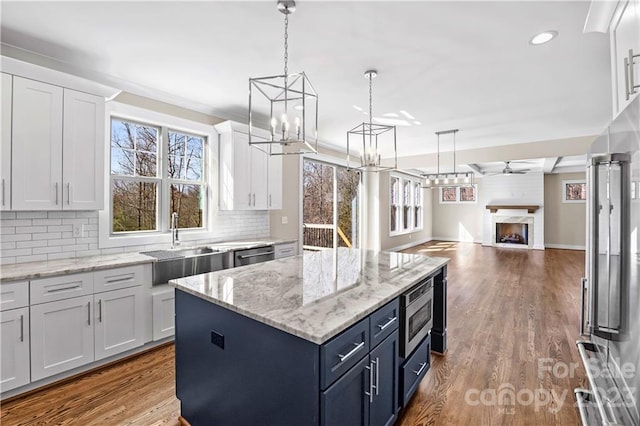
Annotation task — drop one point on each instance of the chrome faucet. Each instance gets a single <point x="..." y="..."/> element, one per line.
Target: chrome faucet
<point x="175" y="242"/>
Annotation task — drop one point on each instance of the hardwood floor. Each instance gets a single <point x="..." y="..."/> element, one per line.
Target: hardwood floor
<point x="513" y="321"/>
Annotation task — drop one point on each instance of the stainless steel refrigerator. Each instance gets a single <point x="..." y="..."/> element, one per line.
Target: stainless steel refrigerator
<point x="610" y="327"/>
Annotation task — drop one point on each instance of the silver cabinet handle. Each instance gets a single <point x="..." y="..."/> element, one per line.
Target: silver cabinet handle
<point x="118" y="280"/>
<point x="68" y="193"/>
<point x="88" y="313"/>
<point x="377" y="363"/>
<point x="254" y="200"/>
<point x="627" y="71"/>
<point x="56" y="193"/>
<point x="423" y="365"/>
<point x="269" y="200"/>
<point x="22" y="328"/>
<point x="632" y="83"/>
<point x="3" y="192"/>
<point x="583" y="286"/>
<point x="370" y="393"/>
<point x="100" y="310"/>
<point x="388" y="323"/>
<point x="349" y="354"/>
<point x="55" y="290"/>
<point x="249" y="199"/>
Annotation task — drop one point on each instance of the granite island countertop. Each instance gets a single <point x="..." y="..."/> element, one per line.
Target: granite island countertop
<point x="315" y="295"/>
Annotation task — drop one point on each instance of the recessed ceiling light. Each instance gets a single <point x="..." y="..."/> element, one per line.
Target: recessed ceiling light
<point x="543" y="37"/>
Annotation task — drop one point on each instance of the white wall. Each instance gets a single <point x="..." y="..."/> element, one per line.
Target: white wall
<point x="457" y="221"/>
<point x="524" y="189"/>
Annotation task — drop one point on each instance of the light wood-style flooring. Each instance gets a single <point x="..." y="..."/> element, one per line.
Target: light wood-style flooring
<point x="510" y="312"/>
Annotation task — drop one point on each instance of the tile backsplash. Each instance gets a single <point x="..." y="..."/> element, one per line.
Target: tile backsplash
<point x="42" y="235"/>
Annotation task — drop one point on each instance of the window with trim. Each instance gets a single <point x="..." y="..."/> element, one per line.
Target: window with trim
<point x="405" y="204"/>
<point x="155" y="171"/>
<point x="459" y="195"/>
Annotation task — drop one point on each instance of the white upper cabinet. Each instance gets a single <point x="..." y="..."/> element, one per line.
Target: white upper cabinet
<point x="275" y="182"/>
<point x="83" y="153"/>
<point x="245" y="172"/>
<point x="36" y="175"/>
<point x="625" y="53"/>
<point x="57" y="145"/>
<point x="5" y="143"/>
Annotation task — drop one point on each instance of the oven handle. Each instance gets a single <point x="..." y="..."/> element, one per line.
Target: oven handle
<point x="247" y="256"/>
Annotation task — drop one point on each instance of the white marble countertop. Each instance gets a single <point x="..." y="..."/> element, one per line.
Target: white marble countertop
<point x="49" y="268"/>
<point x="316" y="295"/>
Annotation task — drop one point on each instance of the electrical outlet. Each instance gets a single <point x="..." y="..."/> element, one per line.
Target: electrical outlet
<point x="285" y="220"/>
<point x="77" y="230"/>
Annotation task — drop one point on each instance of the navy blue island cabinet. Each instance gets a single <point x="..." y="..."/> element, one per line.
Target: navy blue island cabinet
<point x="233" y="370"/>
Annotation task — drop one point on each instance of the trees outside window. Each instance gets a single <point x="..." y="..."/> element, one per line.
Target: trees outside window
<point x="140" y="182"/>
<point x="331" y="205"/>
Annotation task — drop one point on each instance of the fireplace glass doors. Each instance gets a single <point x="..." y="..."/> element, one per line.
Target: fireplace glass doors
<point x="512" y="233"/>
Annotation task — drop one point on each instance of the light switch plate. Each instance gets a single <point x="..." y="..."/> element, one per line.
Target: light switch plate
<point x="285" y="220"/>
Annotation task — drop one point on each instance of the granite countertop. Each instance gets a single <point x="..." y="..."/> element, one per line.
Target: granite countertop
<point x="42" y="269"/>
<point x="49" y="268"/>
<point x="316" y="295"/>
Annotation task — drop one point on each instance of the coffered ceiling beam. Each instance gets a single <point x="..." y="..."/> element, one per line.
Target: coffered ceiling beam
<point x="550" y="164"/>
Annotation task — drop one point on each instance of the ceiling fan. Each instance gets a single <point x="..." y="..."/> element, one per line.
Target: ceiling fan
<point x="509" y="171"/>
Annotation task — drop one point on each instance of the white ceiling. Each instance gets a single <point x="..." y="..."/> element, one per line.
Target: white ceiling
<point x="465" y="65"/>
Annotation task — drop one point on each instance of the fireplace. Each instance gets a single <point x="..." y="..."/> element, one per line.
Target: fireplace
<point x="512" y="233"/>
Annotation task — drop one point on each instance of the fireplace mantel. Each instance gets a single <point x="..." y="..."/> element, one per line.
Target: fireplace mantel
<point x="495" y="207"/>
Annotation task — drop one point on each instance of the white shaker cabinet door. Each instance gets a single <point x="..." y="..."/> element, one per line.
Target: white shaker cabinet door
<point x="36" y="175"/>
<point x="275" y="181"/>
<point x="5" y="143"/>
<point x="83" y="153"/>
<point x="259" y="183"/>
<point x="164" y="313"/>
<point x="625" y="40"/>
<point x="61" y="336"/>
<point x="14" y="343"/>
<point x="119" y="321"/>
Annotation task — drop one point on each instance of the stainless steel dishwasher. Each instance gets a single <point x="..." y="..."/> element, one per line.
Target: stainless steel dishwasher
<point x="254" y="255"/>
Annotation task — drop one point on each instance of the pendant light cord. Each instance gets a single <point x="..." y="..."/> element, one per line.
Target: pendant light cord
<point x="370" y="98"/>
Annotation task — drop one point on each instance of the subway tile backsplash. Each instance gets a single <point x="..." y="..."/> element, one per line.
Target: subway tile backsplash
<point x="35" y="236"/>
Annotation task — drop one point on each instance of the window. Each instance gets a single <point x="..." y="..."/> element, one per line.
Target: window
<point x="331" y="206"/>
<point x="395" y="204"/>
<point x="574" y="191"/>
<point x="405" y="204"/>
<point x="146" y="190"/>
<point x="459" y="195"/>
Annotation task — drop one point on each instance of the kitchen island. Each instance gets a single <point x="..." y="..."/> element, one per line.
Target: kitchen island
<point x="311" y="339"/>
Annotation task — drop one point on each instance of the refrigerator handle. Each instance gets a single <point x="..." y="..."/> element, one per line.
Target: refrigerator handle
<point x="583" y="287"/>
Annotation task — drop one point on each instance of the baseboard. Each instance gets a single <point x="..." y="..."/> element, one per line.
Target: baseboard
<point x="411" y="244"/>
<point x="455" y="240"/>
<point x="565" y="247"/>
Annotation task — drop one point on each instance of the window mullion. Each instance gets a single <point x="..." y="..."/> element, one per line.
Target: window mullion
<point x="165" y="196"/>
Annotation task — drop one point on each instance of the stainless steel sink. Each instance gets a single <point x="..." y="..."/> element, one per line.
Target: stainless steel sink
<point x="178" y="263"/>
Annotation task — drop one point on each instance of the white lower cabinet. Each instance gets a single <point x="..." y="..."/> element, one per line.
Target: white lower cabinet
<point x="61" y="336"/>
<point x="14" y="345"/>
<point x="164" y="312"/>
<point x="73" y="332"/>
<point x="119" y="321"/>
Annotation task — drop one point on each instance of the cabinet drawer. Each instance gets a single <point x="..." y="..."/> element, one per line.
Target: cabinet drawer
<point x="286" y="250"/>
<point x="415" y="368"/>
<point x="114" y="279"/>
<point x="383" y="322"/>
<point x="343" y="352"/>
<point x="59" y="288"/>
<point x="14" y="295"/>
